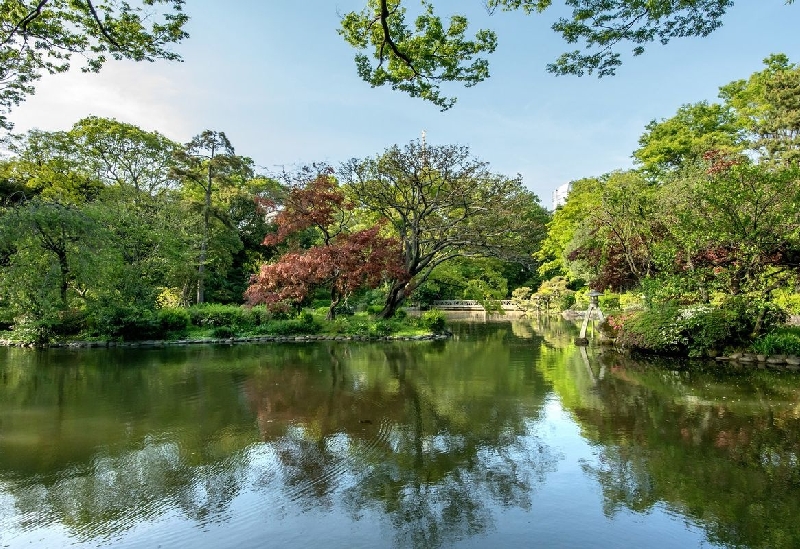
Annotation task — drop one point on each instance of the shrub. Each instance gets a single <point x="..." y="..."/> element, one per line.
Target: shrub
<point x="694" y="330"/>
<point x="608" y="301"/>
<point x="567" y="301"/>
<point x="304" y="324"/>
<point x="223" y="332"/>
<point x="174" y="319"/>
<point x="781" y="341"/>
<point x="433" y="320"/>
<point x="212" y="315"/>
<point x="70" y="322"/>
<point x="127" y="322"/>
<point x="381" y="328"/>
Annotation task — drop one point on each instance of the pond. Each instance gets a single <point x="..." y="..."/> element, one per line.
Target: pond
<point x="507" y="434"/>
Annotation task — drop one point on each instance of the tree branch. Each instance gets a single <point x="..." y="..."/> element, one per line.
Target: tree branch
<point x="23" y="23"/>
<point x="387" y="37"/>
<point x="101" y="27"/>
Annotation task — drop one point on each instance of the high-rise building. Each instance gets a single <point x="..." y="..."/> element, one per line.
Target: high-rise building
<point x="560" y="195"/>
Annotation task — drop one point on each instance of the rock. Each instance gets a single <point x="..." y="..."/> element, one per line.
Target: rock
<point x="761" y="358"/>
<point x="776" y="359"/>
<point x="793" y="360"/>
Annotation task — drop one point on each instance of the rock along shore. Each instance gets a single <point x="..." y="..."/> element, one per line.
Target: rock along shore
<point x="222" y="341"/>
<point x="777" y="362"/>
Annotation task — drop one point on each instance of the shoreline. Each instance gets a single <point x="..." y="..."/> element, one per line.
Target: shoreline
<point x="158" y="343"/>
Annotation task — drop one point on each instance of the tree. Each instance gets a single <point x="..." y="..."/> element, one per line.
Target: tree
<point x="767" y="106"/>
<point x="48" y="164"/>
<point x="418" y="58"/>
<point x="208" y="164"/>
<point x="441" y="204"/>
<point x="119" y="153"/>
<point x="619" y="237"/>
<point x="760" y="114"/>
<point x="343" y="260"/>
<point x="739" y="221"/>
<point x="38" y="36"/>
<point x="669" y="144"/>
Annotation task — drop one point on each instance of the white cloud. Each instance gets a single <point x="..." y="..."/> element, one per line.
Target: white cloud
<point x="141" y="94"/>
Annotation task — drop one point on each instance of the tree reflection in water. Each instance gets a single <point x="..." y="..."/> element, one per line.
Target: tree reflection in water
<point x="434" y="451"/>
<point x="422" y="444"/>
<point x="434" y="437"/>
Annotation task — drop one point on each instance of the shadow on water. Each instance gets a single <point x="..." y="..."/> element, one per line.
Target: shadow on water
<point x="420" y="444"/>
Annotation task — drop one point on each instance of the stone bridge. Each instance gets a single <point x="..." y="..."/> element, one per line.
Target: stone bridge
<point x="471" y="305"/>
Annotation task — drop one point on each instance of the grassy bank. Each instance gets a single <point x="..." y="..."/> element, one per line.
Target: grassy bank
<point x="213" y="321"/>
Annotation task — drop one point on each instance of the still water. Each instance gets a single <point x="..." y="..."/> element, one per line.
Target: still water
<point x="504" y="436"/>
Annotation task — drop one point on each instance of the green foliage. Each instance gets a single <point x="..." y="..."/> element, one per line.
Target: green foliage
<point x="609" y="301"/>
<point x="694" y="330"/>
<point x="37" y="40"/>
<point x="788" y="300"/>
<point x="443" y="204"/>
<point x="567" y="301"/>
<point x="213" y="315"/>
<point x="669" y="144"/>
<point x="223" y="332"/>
<point x="604" y="25"/>
<point x="416" y="60"/>
<point x="304" y="324"/>
<point x="174" y="319"/>
<point x="433" y="320"/>
<point x="781" y="341"/>
<point x="126" y="322"/>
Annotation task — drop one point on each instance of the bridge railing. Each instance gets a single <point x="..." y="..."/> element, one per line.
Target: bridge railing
<point x="471" y="305"/>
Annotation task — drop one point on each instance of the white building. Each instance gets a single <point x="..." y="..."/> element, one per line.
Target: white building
<point x="560" y="195"/>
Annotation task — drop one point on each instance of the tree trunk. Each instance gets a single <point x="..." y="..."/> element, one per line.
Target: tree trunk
<point x="64" y="267"/>
<point x="201" y="267"/>
<point x="334" y="302"/>
<point x="394" y="299"/>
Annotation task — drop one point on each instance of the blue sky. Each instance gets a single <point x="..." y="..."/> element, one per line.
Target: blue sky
<point x="281" y="83"/>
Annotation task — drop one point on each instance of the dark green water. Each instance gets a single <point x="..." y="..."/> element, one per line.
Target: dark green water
<point x="504" y="436"/>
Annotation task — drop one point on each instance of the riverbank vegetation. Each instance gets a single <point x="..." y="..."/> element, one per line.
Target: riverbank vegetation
<point x="109" y="230"/>
<point x="705" y="231"/>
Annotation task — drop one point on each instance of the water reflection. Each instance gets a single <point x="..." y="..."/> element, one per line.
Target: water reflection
<point x="717" y="445"/>
<point x="425" y="434"/>
<point x="419" y="444"/>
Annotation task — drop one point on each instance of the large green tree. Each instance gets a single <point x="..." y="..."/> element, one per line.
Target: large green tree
<point x="760" y="114"/>
<point x="42" y="36"/>
<point x="443" y="203"/>
<point x="210" y="168"/>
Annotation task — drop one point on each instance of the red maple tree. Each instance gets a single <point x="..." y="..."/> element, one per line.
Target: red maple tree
<point x="343" y="262"/>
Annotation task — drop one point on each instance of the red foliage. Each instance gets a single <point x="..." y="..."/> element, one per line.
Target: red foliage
<point x="315" y="205"/>
<point x="349" y="262"/>
<point x="719" y="162"/>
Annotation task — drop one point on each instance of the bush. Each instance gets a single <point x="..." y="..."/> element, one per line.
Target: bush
<point x="70" y="323"/>
<point x="223" y="332"/>
<point x="694" y="330"/>
<point x="608" y="301"/>
<point x="128" y="322"/>
<point x="304" y="324"/>
<point x="567" y="301"/>
<point x="174" y="319"/>
<point x="381" y="328"/>
<point x="781" y="341"/>
<point x="212" y="315"/>
<point x="433" y="320"/>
